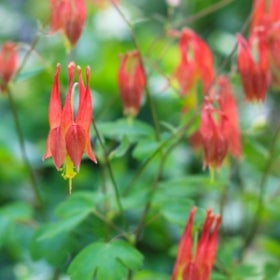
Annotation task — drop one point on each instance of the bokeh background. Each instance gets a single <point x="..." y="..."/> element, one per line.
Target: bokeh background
<point x="244" y="191"/>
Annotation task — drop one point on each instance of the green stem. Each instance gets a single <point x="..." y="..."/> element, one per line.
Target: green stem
<point x="257" y="217"/>
<point x="107" y="162"/>
<point x="19" y="132"/>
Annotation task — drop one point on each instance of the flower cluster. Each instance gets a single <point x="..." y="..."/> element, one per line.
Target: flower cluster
<point x="258" y="57"/>
<point x="196" y="263"/>
<point x="218" y="133"/>
<point x="69" y="135"/>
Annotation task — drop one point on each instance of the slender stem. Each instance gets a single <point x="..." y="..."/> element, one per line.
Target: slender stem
<point x="27" y="55"/>
<point x="256" y="220"/>
<point x="32" y="177"/>
<point x="111" y="224"/>
<point x="136" y="45"/>
<point x="116" y="189"/>
<point x="209" y="10"/>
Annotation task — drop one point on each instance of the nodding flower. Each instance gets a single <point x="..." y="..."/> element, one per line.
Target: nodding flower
<point x="254" y="72"/>
<point x="69" y="135"/>
<point x="68" y="16"/>
<point x="131" y="81"/>
<point x="218" y="134"/>
<point x="196" y="62"/>
<point x="8" y="64"/>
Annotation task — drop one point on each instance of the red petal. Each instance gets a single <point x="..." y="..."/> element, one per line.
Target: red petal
<point x="75" y="143"/>
<point x="184" y="256"/>
<point x="57" y="146"/>
<point x="55" y="103"/>
<point x="67" y="113"/>
<point x="84" y="114"/>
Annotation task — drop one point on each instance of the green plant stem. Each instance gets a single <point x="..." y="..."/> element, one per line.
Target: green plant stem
<point x="107" y="162"/>
<point x="19" y="132"/>
<point x="26" y="56"/>
<point x="111" y="224"/>
<point x="257" y="217"/>
<point x="209" y="10"/>
<point x="136" y="45"/>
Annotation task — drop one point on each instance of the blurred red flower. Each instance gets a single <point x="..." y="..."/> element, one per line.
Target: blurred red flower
<point x="196" y="62"/>
<point x="131" y="81"/>
<point x="68" y="16"/>
<point x="196" y="263"/>
<point x="8" y="63"/>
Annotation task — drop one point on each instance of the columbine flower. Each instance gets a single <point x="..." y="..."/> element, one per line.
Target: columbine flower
<point x="196" y="263"/>
<point x="68" y="16"/>
<point x="69" y="136"/>
<point x="196" y="62"/>
<point x="219" y="130"/>
<point x="8" y="64"/>
<point x="254" y="72"/>
<point x="131" y="81"/>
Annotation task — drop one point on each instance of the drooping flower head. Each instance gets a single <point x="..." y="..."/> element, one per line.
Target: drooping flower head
<point x="131" y="81"/>
<point x="254" y="71"/>
<point x="196" y="62"/>
<point x="218" y="133"/>
<point x="265" y="26"/>
<point x="69" y="135"/>
<point x="8" y="64"/>
<point x="196" y="263"/>
<point x="68" y="16"/>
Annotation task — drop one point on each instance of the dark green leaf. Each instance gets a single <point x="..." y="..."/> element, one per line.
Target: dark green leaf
<point x="108" y="261"/>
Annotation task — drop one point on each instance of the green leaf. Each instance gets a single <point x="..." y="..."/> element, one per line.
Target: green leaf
<point x="117" y="130"/>
<point x="108" y="261"/>
<point x="53" y="229"/>
<point x="55" y="250"/>
<point x="121" y="149"/>
<point x="145" y="148"/>
<point x="16" y="211"/>
<point x="10" y="215"/>
<point x="72" y="212"/>
<point x="271" y="246"/>
<point x="76" y="204"/>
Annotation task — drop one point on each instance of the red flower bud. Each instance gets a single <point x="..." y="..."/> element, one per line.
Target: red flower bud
<point x="131" y="81"/>
<point x="197" y="264"/>
<point x="254" y="72"/>
<point x="68" y="16"/>
<point x="8" y="63"/>
<point x="196" y="62"/>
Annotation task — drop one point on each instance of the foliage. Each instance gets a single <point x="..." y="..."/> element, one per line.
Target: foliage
<point x="126" y="214"/>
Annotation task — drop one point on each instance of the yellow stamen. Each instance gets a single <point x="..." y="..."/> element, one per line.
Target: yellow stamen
<point x="68" y="172"/>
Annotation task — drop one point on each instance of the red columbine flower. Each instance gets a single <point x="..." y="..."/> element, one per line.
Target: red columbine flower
<point x="219" y="130"/>
<point x="132" y="81"/>
<point x="254" y="72"/>
<point x="68" y="16"/>
<point x="196" y="62"/>
<point x="69" y="136"/>
<point x="197" y="263"/>
<point x="8" y="64"/>
<point x="228" y="107"/>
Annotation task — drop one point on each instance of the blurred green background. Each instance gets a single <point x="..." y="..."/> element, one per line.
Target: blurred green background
<point x="237" y="191"/>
